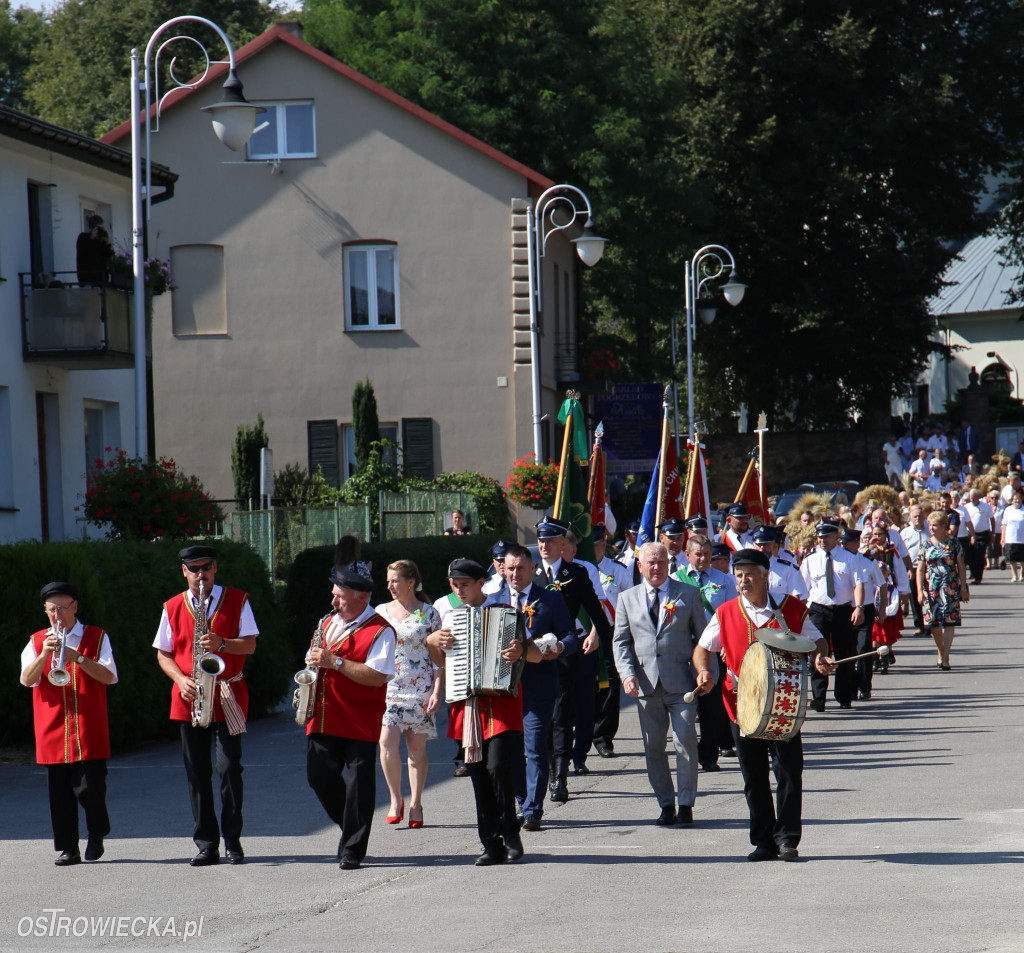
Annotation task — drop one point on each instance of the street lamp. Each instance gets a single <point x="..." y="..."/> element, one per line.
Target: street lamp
<point x="541" y="222"/>
<point x="706" y="266"/>
<point x="234" y="120"/>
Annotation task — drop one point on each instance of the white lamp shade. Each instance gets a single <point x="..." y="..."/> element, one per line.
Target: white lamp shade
<point x="734" y="289"/>
<point x="234" y="124"/>
<point x="707" y="313"/>
<point x="589" y="246"/>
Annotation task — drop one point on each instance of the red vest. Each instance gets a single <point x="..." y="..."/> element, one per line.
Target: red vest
<point x="71" y="722"/>
<point x="498" y="713"/>
<point x="737" y="633"/>
<point x="342" y="707"/>
<point x="223" y="622"/>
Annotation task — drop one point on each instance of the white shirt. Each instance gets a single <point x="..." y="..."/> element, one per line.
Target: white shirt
<point x="711" y="638"/>
<point x="1013" y="525"/>
<point x="662" y="598"/>
<point x="1006" y="493"/>
<point x="164" y="640"/>
<point x="444" y="606"/>
<point x="846" y="573"/>
<point x="981" y="516"/>
<point x="381" y="657"/>
<point x="913" y="539"/>
<point x="918" y="468"/>
<point x="74" y="639"/>
<point x="615" y="579"/>
<point x="784" y="577"/>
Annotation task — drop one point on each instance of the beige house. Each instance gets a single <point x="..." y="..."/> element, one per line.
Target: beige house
<point x="358" y="236"/>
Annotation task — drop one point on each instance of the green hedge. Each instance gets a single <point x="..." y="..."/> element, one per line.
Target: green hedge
<point x="123" y="586"/>
<point x="309" y="589"/>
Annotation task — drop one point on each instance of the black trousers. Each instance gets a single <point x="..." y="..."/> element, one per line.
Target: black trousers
<point x="977" y="555"/>
<point x="715" y="727"/>
<point x="834" y="624"/>
<point x="915" y="600"/>
<point x="770" y="826"/>
<point x="494" y="788"/>
<point x="81" y="782"/>
<point x="606" y="708"/>
<point x="564" y="715"/>
<point x="865" y="666"/>
<point x="586" y="704"/>
<point x="343" y="774"/>
<point x="196" y="745"/>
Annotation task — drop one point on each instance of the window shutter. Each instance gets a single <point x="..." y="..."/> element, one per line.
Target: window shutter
<point x="322" y="440"/>
<point x="418" y="446"/>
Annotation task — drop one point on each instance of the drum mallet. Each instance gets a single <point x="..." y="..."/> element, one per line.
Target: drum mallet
<point x="881" y="652"/>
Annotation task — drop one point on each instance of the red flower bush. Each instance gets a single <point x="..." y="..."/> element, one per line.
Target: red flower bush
<point x="134" y="498"/>
<point x="531" y="484"/>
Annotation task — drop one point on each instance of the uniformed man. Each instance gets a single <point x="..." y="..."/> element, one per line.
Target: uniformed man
<point x="573" y="584"/>
<point x="231" y="635"/>
<point x="736" y="532"/>
<point x="628" y="557"/>
<point x="783" y="575"/>
<point x="496" y="573"/>
<point x="672" y="535"/>
<point x="849" y="539"/>
<point x="69" y="711"/>
<point x="721" y="557"/>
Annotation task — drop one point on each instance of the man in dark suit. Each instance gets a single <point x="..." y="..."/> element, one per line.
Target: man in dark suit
<point x="657" y="625"/>
<point x="546" y="615"/>
<point x="572" y="582"/>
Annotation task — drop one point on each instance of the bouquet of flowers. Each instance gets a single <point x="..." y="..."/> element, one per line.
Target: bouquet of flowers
<point x="532" y="484"/>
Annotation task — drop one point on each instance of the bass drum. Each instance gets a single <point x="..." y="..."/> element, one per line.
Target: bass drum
<point x="771" y="699"/>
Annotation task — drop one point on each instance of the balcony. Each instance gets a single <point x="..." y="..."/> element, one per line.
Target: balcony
<point x="77" y="327"/>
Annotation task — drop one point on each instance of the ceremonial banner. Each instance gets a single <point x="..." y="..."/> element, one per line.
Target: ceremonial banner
<point x="697" y="499"/>
<point x="670" y="503"/>
<point x="750" y="494"/>
<point x="597" y="500"/>
<point x="572" y="505"/>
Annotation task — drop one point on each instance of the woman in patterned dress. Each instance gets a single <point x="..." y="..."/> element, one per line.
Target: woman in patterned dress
<point x="941" y="581"/>
<point x="413" y="694"/>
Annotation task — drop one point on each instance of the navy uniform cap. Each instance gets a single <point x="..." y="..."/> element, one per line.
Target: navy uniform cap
<point x="598" y="532"/>
<point x="58" y="589"/>
<point x="350" y="579"/>
<point x="633" y="526"/>
<point x="751" y="557"/>
<point x="765" y="534"/>
<point x="549" y="528"/>
<point x="720" y="551"/>
<point x="824" y="528"/>
<point x="850" y="536"/>
<point x="499" y="549"/>
<point x="737" y="509"/>
<point x="672" y="527"/>
<point x="190" y="553"/>
<point x="466" y="569"/>
<point x="696" y="522"/>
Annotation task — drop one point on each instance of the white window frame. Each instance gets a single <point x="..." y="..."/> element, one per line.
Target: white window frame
<point x="371" y="248"/>
<point x="282" y="133"/>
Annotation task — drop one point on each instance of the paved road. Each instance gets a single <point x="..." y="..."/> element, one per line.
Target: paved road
<point x="913" y="841"/>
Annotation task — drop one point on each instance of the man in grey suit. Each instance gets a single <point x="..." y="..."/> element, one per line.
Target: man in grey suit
<point x="657" y="624"/>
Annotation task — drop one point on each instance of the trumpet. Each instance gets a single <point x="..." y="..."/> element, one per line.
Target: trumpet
<point x="206" y="667"/>
<point x="59" y="675"/>
<point x="306" y="679"/>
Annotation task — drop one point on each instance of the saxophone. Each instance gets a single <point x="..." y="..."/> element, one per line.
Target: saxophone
<point x="205" y="667"/>
<point x="306" y="678"/>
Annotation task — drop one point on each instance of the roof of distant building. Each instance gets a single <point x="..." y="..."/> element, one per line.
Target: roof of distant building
<point x="977" y="280"/>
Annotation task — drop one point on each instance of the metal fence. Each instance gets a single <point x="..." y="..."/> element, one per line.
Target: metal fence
<point x="281" y="533"/>
<point x="424" y="512"/>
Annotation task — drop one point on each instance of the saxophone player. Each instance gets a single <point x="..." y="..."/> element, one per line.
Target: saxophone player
<point x="70" y="716"/>
<point x="221" y="624"/>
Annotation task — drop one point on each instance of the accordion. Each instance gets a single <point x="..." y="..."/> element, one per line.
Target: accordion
<point x="474" y="665"/>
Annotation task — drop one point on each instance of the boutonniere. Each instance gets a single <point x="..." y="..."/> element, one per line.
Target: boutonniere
<point x="419" y="616"/>
<point x="558" y="584"/>
<point x="714" y="587"/>
<point x="606" y="579"/>
<point x="530" y="610"/>
<point x="669" y="607"/>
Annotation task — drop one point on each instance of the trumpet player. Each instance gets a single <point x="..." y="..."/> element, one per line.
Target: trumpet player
<point x="68" y="666"/>
<point x="207" y="619"/>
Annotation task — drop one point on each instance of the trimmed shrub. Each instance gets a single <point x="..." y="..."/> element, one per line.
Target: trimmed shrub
<point x="123" y="586"/>
<point x="309" y="589"/>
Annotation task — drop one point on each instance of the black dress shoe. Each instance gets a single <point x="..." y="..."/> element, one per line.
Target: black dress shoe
<point x="685" y="816"/>
<point x="68" y="858"/>
<point x="582" y="769"/>
<point x="605" y="750"/>
<point x="487" y="859"/>
<point x="559" y="793"/>
<point x="817" y="705"/>
<point x="788" y="853"/>
<point x="864" y="696"/>
<point x="235" y="854"/>
<point x="94" y="849"/>
<point x="763" y="852"/>
<point x="461" y="771"/>
<point x="349" y="865"/>
<point x="513" y="848"/>
<point x="711" y="767"/>
<point x="846" y="704"/>
<point x="205" y="858"/>
<point x="728" y="752"/>
<point x="531" y="822"/>
<point x="667" y="816"/>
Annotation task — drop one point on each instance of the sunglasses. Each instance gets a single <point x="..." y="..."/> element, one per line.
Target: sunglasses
<point x="205" y="567"/>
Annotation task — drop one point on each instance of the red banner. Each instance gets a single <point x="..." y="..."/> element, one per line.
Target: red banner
<point x="749" y="493"/>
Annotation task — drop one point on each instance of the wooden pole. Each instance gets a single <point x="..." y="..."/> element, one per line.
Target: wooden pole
<point x="762" y="429"/>
<point x="659" y="510"/>
<point x="566" y="441"/>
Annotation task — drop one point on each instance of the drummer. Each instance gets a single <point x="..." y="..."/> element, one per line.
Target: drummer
<point x="774" y="834"/>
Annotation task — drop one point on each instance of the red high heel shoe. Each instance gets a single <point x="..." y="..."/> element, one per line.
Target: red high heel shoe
<point x="415" y="825"/>
<point x="396" y="818"/>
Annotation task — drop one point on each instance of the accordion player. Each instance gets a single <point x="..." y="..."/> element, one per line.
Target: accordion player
<point x="474" y="664"/>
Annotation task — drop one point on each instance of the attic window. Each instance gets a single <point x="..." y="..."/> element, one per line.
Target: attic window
<point x="289" y="131"/>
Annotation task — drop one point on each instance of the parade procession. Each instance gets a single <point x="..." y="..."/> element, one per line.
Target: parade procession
<point x="726" y="642"/>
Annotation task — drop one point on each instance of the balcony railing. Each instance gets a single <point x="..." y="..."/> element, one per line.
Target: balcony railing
<point x="76" y="326"/>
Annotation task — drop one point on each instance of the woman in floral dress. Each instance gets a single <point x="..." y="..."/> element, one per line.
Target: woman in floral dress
<point x="413" y="694"/>
<point x="942" y="583"/>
